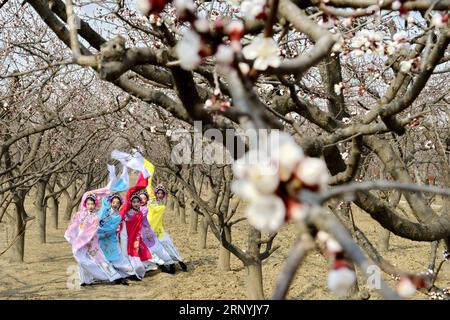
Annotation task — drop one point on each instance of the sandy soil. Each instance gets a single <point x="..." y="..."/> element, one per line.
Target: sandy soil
<point x="48" y="268"/>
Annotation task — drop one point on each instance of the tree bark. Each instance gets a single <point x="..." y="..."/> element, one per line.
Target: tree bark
<point x="224" y="253"/>
<point x="385" y="236"/>
<point x="193" y="219"/>
<point x="54" y="211"/>
<point x="41" y="211"/>
<point x="254" y="279"/>
<point x="182" y="213"/>
<point x="203" y="234"/>
<point x="254" y="282"/>
<point x="18" y="248"/>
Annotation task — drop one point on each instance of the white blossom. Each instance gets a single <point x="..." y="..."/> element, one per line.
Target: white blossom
<point x="244" y="67"/>
<point x="183" y="5"/>
<point x="406" y="288"/>
<point x="143" y="6"/>
<point x="257" y="168"/>
<point x="323" y="236"/>
<point x="265" y="52"/>
<point x="429" y="145"/>
<point x="313" y="172"/>
<point x="405" y="66"/>
<point x="252" y="8"/>
<point x="188" y="50"/>
<point x="298" y="211"/>
<point x="396" y="5"/>
<point x="338" y="88"/>
<point x="264" y="176"/>
<point x="399" y="36"/>
<point x="411" y="19"/>
<point x="245" y="189"/>
<point x="337" y="47"/>
<point x="169" y="133"/>
<point x="341" y="280"/>
<point x="437" y="21"/>
<point x="367" y="41"/>
<point x="241" y="165"/>
<point x="208" y="104"/>
<point x="346" y="120"/>
<point x="202" y="25"/>
<point x="224" y="55"/>
<point x="333" y="245"/>
<point x="285" y="152"/>
<point x="267" y="214"/>
<point x="344" y="155"/>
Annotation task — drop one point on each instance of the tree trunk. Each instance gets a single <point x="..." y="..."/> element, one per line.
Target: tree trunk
<point x="193" y="219"/>
<point x="182" y="210"/>
<point x="41" y="211"/>
<point x="171" y="204"/>
<point x="432" y="262"/>
<point x="254" y="279"/>
<point x="254" y="282"/>
<point x="69" y="206"/>
<point x="385" y="236"/>
<point x="203" y="233"/>
<point x="18" y="248"/>
<point x="225" y="254"/>
<point x="54" y="211"/>
<point x="182" y="214"/>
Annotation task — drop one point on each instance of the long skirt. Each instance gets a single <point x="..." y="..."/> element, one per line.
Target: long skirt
<point x="91" y="271"/>
<point x="159" y="252"/>
<point x="138" y="267"/>
<point x="168" y="245"/>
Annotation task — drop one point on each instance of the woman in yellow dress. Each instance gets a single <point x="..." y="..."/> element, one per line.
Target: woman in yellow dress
<point x="156" y="208"/>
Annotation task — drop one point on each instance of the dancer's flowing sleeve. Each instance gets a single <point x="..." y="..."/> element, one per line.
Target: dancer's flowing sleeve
<point x="123" y="183"/>
<point x="98" y="192"/>
<point x="151" y="169"/>
<point x="79" y="237"/>
<point x="135" y="161"/>
<point x="72" y="230"/>
<point x="155" y="219"/>
<point x="106" y="205"/>
<point x="141" y="183"/>
<point x="112" y="176"/>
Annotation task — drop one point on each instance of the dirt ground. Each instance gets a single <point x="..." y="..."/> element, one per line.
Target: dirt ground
<point x="48" y="268"/>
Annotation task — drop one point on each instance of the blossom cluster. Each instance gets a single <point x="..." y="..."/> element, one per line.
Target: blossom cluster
<point x="271" y="177"/>
<point x="342" y="276"/>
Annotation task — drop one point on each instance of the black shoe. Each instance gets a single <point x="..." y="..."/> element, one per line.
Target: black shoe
<point x="183" y="266"/>
<point x="121" y="281"/>
<point x="163" y="268"/>
<point x="134" y="278"/>
<point x="172" y="268"/>
<point x="83" y="285"/>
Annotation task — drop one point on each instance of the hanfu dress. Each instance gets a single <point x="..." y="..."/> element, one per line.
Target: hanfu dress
<point x="130" y="233"/>
<point x="110" y="220"/>
<point x="82" y="235"/>
<point x="155" y="219"/>
<point x="160" y="255"/>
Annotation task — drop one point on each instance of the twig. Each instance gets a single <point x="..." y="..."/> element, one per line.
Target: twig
<point x="370" y="185"/>
<point x="295" y="258"/>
